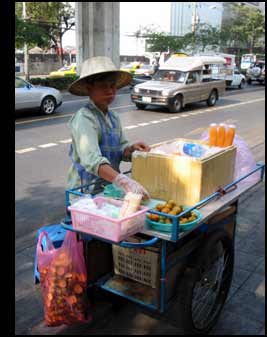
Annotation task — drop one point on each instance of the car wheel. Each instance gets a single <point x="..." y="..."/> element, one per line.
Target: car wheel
<point x="242" y="85"/>
<point x="249" y="81"/>
<point x="48" y="105"/>
<point x="212" y="98"/>
<point x="177" y="104"/>
<point x="140" y="106"/>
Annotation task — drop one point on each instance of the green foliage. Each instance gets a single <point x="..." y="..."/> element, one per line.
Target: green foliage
<point x="53" y="19"/>
<point x="30" y="33"/>
<point x="245" y="30"/>
<point x="60" y="83"/>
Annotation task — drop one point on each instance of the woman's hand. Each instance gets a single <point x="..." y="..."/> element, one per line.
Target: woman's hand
<point x="140" y="147"/>
<point x="130" y="185"/>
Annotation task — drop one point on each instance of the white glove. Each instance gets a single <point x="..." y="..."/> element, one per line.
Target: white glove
<point x="130" y="185"/>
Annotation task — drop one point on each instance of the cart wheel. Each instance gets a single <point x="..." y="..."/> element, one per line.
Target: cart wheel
<point x="204" y="288"/>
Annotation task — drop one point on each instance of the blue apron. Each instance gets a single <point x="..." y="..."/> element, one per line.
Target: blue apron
<point x="110" y="147"/>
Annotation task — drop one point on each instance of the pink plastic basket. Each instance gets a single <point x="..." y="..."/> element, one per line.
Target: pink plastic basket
<point x="109" y="228"/>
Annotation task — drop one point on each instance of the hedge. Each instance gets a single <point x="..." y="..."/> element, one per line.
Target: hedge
<point x="59" y="83"/>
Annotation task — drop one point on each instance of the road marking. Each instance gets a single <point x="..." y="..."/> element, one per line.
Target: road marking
<point x="64" y="116"/>
<point x="195" y="131"/>
<point x="42" y="119"/>
<point x="143" y="124"/>
<point x="65" y="141"/>
<point x="122" y="107"/>
<point x="29" y="149"/>
<point x="131" y="127"/>
<point x="44" y="146"/>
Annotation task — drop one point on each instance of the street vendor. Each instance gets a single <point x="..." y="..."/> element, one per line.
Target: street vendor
<point x="98" y="141"/>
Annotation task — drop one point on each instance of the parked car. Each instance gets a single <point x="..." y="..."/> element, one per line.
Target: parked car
<point x="180" y="81"/>
<point x="144" y="69"/>
<point x="66" y="70"/>
<point x="28" y="96"/>
<point x="256" y="73"/>
<point x="131" y="67"/>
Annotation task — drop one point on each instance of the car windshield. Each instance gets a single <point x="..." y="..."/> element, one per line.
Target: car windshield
<point x="170" y="75"/>
<point x="127" y="66"/>
<point x="247" y="58"/>
<point x="19" y="83"/>
<point x="145" y="66"/>
<point x="65" y="68"/>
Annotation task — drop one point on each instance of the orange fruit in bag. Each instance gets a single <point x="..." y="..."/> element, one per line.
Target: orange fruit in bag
<point x="78" y="289"/>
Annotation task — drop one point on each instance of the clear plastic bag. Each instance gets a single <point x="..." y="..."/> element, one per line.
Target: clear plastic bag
<point x="244" y="162"/>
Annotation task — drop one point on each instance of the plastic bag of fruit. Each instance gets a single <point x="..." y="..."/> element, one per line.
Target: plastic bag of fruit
<point x="63" y="281"/>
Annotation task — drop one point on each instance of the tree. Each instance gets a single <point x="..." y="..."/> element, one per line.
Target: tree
<point x="246" y="28"/>
<point x="158" y="41"/>
<point x="205" y="36"/>
<point x="29" y="33"/>
<point x="55" y="18"/>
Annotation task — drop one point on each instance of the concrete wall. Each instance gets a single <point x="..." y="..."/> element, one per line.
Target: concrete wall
<point x="41" y="64"/>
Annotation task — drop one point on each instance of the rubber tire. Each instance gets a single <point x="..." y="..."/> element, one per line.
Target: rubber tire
<point x="173" y="107"/>
<point x="140" y="106"/>
<point x="249" y="81"/>
<point x="210" y="101"/>
<point x="242" y="84"/>
<point x="42" y="108"/>
<point x="183" y="319"/>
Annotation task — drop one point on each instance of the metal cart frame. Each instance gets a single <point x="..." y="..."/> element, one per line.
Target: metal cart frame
<point x="184" y="244"/>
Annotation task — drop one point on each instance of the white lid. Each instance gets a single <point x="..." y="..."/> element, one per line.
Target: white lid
<point x="213" y="124"/>
<point x="232" y="126"/>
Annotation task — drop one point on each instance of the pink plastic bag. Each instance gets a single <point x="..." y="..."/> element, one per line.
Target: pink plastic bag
<point x="63" y="281"/>
<point x="244" y="162"/>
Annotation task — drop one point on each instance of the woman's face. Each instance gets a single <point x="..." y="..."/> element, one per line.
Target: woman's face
<point x="102" y="93"/>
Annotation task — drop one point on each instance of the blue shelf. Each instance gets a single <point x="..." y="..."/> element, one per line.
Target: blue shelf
<point x="132" y="290"/>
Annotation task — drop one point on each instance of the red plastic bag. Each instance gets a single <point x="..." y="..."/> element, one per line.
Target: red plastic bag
<point x="63" y="281"/>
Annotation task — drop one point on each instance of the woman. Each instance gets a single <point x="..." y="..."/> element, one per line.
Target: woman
<point x="98" y="141"/>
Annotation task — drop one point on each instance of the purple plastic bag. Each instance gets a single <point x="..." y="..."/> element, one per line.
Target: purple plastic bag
<point x="244" y="162"/>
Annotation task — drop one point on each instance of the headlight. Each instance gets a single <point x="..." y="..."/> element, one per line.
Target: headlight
<point x="165" y="93"/>
<point x="136" y="90"/>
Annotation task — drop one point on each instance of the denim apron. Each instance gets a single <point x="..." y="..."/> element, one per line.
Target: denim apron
<point x="110" y="147"/>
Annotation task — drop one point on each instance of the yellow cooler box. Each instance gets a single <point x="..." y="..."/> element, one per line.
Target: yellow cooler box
<point x="184" y="179"/>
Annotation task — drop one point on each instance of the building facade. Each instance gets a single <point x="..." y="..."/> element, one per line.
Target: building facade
<point x="185" y="15"/>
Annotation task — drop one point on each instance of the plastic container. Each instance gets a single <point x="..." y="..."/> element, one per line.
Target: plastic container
<point x="105" y="227"/>
<point x="221" y="135"/>
<point x="182" y="227"/>
<point x="113" y="192"/>
<point x="193" y="150"/>
<point x="229" y="136"/>
<point x="213" y="134"/>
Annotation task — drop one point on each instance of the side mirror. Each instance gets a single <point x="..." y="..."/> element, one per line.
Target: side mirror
<point x="28" y="86"/>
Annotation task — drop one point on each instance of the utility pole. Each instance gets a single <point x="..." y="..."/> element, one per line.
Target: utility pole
<point x="194" y="23"/>
<point x="26" y="55"/>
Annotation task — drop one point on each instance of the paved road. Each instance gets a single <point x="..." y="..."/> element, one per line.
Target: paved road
<point x="41" y="146"/>
<point x="40" y="184"/>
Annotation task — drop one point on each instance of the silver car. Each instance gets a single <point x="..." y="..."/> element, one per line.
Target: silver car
<point x="28" y="96"/>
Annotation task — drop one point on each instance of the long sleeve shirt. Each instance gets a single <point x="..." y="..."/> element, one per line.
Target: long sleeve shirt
<point x="86" y="136"/>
